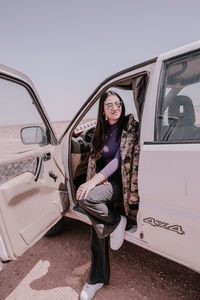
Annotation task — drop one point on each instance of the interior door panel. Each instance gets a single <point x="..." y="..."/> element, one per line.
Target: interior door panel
<point x="28" y="207"/>
<point x="12" y="169"/>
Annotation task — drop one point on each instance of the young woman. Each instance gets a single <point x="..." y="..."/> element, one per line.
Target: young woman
<point x="110" y="163"/>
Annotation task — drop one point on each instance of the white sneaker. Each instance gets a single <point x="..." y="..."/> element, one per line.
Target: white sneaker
<point x="117" y="236"/>
<point x="89" y="290"/>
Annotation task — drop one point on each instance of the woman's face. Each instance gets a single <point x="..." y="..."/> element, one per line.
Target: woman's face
<point x="112" y="109"/>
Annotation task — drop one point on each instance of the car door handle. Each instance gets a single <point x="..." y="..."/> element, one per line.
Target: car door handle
<point x="39" y="166"/>
<point x="46" y="156"/>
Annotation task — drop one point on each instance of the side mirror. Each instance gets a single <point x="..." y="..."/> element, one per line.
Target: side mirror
<point x="33" y="135"/>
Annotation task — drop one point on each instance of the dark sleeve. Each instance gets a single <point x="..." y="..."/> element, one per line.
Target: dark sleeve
<point x="112" y="166"/>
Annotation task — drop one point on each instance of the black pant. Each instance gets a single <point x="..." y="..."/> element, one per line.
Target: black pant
<point x="104" y="218"/>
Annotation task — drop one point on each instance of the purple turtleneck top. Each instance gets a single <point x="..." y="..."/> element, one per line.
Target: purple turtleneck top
<point x="110" y="160"/>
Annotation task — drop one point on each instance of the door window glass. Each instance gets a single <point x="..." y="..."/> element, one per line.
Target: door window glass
<point x="178" y="117"/>
<point x="17" y="111"/>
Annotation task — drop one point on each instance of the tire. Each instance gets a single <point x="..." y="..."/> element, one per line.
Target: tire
<point x="56" y="229"/>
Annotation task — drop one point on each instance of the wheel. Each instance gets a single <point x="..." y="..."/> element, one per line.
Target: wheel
<point x="57" y="228"/>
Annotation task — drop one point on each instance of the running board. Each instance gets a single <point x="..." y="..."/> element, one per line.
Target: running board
<point x="78" y="216"/>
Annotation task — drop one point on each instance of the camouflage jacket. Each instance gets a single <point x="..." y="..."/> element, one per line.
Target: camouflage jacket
<point x="129" y="150"/>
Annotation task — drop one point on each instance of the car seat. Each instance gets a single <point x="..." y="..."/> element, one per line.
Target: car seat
<point x="181" y="118"/>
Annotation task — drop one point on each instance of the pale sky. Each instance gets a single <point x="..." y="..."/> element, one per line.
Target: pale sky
<point x="68" y="47"/>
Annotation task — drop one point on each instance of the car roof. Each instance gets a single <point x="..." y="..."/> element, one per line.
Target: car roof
<point x="180" y="50"/>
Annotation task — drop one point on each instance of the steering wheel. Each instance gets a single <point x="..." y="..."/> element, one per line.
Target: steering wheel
<point x="89" y="135"/>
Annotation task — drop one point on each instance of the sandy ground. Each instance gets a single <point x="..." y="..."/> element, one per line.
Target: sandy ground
<point x="56" y="268"/>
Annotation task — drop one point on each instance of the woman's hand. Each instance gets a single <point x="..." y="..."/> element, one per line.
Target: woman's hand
<point x="105" y="181"/>
<point x="84" y="188"/>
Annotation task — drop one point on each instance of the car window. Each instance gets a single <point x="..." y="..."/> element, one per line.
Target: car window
<point x="178" y="115"/>
<point x="17" y="111"/>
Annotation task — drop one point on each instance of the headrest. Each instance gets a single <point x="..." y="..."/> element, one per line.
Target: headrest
<point x="182" y="108"/>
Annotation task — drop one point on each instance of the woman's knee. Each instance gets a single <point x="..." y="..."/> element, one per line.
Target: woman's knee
<point x="100" y="194"/>
<point x="89" y="203"/>
<point x="85" y="203"/>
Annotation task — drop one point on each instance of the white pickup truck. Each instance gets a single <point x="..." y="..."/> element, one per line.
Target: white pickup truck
<point x="39" y="173"/>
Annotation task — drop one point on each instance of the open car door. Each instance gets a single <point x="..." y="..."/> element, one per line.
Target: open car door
<point x="30" y="174"/>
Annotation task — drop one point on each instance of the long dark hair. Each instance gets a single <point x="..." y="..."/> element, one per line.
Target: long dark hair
<point x="101" y="130"/>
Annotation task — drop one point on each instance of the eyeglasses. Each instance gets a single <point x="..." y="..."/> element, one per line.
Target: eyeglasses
<point x="110" y="106"/>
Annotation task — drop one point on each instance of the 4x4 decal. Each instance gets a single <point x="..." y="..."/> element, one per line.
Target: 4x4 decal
<point x="156" y="223"/>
